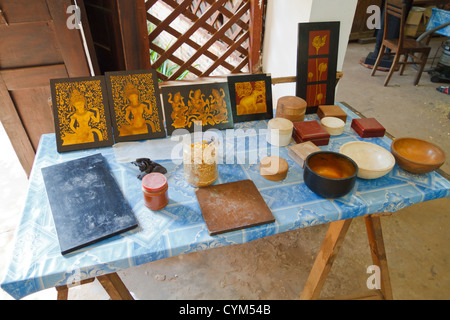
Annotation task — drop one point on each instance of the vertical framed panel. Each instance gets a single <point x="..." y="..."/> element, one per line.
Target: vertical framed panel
<point x="317" y="54"/>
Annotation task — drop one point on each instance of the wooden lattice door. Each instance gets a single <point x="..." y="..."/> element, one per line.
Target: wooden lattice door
<point x="204" y="38"/>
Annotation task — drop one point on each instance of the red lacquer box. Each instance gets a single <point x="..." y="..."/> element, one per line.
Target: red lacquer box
<point x="310" y="131"/>
<point x="368" y="128"/>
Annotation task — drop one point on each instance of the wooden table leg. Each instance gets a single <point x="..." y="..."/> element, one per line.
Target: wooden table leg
<point x="373" y="226"/>
<point x="115" y="287"/>
<point x="63" y="292"/>
<point x="112" y="283"/>
<point x="329" y="250"/>
<point x="325" y="258"/>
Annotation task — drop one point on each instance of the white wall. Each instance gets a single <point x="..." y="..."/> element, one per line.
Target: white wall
<point x="281" y="35"/>
<point x="336" y="10"/>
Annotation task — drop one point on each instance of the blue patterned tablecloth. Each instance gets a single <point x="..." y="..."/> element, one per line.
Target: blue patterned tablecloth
<point x="438" y="18"/>
<point x="37" y="263"/>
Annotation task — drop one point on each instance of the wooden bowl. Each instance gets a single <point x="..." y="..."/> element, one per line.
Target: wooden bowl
<point x="330" y="174"/>
<point x="373" y="161"/>
<point x="416" y="155"/>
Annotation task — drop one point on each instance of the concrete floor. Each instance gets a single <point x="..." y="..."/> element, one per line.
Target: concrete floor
<point x="416" y="238"/>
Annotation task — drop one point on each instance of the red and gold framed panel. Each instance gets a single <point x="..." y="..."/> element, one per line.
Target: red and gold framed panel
<point x="251" y="97"/>
<point x="318" y="45"/>
<point x="186" y="105"/>
<point x="135" y="103"/>
<point x="81" y="113"/>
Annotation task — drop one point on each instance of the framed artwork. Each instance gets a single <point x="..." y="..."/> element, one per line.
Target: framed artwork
<point x="251" y="97"/>
<point x="81" y="113"/>
<point x="318" y="45"/>
<point x="186" y="105"/>
<point x="135" y="105"/>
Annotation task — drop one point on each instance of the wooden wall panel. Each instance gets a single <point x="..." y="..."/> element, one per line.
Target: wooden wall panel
<point x="17" y="11"/>
<point x="15" y="129"/>
<point x="25" y="78"/>
<point x="29" y="90"/>
<point x="35" y="113"/>
<point x="28" y="45"/>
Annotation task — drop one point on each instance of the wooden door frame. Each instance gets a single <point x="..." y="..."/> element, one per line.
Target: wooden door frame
<point x="133" y="27"/>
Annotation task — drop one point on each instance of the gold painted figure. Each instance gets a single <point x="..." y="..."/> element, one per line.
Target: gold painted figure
<point x="179" y="113"/>
<point x="134" y="114"/>
<point x="219" y="106"/>
<point x="82" y="121"/>
<point x="196" y="102"/>
<point x="198" y="108"/>
<point x="210" y="111"/>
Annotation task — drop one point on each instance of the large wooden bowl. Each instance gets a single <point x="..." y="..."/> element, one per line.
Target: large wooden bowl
<point x="373" y="161"/>
<point x="416" y="155"/>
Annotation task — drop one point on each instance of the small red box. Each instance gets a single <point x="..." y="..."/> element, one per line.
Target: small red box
<point x="368" y="128"/>
<point x="310" y="131"/>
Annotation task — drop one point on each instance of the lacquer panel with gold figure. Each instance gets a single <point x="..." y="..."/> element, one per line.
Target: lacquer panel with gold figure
<point x="251" y="97"/>
<point x="205" y="104"/>
<point x="81" y="113"/>
<point x="317" y="63"/>
<point x="135" y="105"/>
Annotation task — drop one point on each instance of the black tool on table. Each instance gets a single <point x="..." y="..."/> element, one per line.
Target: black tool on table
<point x="147" y="166"/>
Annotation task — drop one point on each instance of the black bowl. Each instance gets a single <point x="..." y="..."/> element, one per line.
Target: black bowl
<point x="330" y="174"/>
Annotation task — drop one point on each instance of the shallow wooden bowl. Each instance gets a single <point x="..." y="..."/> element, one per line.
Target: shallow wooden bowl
<point x="373" y="161"/>
<point x="416" y="155"/>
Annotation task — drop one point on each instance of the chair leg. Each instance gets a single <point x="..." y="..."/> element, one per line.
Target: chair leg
<point x="380" y="57"/>
<point x="392" y="69"/>
<point x="403" y="63"/>
<point x="423" y="62"/>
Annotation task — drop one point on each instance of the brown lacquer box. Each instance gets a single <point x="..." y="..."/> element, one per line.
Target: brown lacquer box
<point x="368" y="128"/>
<point x="310" y="131"/>
<point x="331" y="111"/>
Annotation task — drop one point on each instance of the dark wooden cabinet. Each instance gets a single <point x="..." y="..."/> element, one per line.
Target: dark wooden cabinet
<point x="119" y="33"/>
<point x="103" y="17"/>
<point x="35" y="46"/>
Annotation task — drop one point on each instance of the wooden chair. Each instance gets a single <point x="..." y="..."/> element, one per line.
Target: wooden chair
<point x="402" y="46"/>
